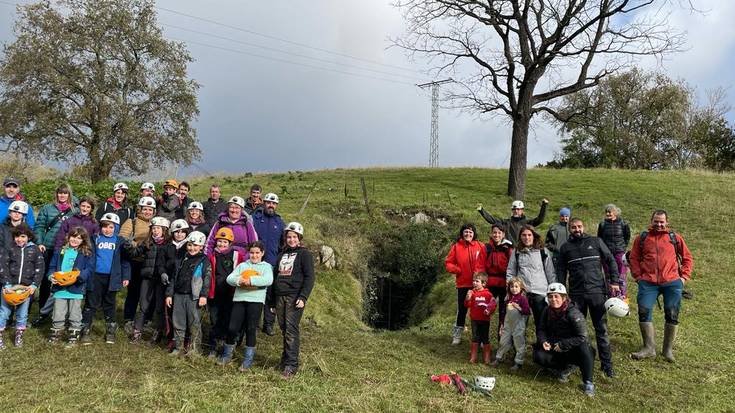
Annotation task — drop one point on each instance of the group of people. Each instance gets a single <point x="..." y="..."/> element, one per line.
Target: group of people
<point x="173" y="255"/>
<point x="562" y="280"/>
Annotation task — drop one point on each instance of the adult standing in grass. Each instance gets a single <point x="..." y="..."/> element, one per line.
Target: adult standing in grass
<point x="11" y="187"/>
<point x="561" y="338"/>
<point x="583" y="257"/>
<point x="215" y="205"/>
<point x="661" y="263"/>
<point x="557" y="235"/>
<point x="615" y="231"/>
<point x="532" y="263"/>
<point x="293" y="283"/>
<point x="517" y="219"/>
<point x="465" y="259"/>
<point x="498" y="252"/>
<point x="269" y="227"/>
<point x="117" y="203"/>
<point x="236" y="219"/>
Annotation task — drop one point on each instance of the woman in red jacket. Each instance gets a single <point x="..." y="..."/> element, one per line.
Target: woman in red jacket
<point x="498" y="252"/>
<point x="465" y="258"/>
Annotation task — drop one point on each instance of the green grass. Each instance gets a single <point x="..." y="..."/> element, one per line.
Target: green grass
<point x="346" y="366"/>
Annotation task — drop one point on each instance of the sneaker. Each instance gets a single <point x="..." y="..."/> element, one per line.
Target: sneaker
<point x="609" y="372"/>
<point x="457" y="335"/>
<point x="268" y="330"/>
<point x="175" y="352"/>
<point x="19" y="338"/>
<point x="516" y="367"/>
<point x="85" y="337"/>
<point x="588" y="388"/>
<point x="40" y="320"/>
<point x="128" y="327"/>
<point x="2" y="342"/>
<point x="54" y="337"/>
<point x="564" y="374"/>
<point x="288" y="373"/>
<point x="136" y="338"/>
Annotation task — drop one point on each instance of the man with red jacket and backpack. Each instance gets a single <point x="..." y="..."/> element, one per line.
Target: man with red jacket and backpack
<point x="661" y="263"/>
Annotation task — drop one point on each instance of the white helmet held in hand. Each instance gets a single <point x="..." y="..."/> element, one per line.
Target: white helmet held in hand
<point x="196" y="205"/>
<point x="270" y="197"/>
<point x="517" y="205"/>
<point x="557" y="288"/>
<point x="120" y="186"/>
<point x="19" y="206"/>
<point x="160" y="222"/>
<point x="178" y="225"/>
<point x="147" y="201"/>
<point x="148" y="185"/>
<point x="295" y="227"/>
<point x="110" y="217"/>
<point x="237" y="201"/>
<point x="616" y="307"/>
<point x="197" y="238"/>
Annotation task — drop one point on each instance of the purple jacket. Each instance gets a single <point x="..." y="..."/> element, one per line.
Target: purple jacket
<point x="521" y="300"/>
<point x="242" y="229"/>
<point x="77" y="220"/>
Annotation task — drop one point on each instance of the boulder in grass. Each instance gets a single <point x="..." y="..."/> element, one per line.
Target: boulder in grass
<point x="420" y="218"/>
<point x="327" y="257"/>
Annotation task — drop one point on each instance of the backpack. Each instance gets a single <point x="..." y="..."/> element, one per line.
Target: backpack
<point x="543" y="259"/>
<point x="672" y="238"/>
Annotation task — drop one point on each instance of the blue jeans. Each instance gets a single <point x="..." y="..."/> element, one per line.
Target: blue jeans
<point x="21" y="314"/>
<point x="649" y="292"/>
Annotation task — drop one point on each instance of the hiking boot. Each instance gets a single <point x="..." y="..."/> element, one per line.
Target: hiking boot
<point x="137" y="337"/>
<point x="19" y="338"/>
<point x="40" y="320"/>
<point x="55" y="336"/>
<point x="85" y="338"/>
<point x="669" y="338"/>
<point x="588" y="388"/>
<point x="226" y="357"/>
<point x="248" y="358"/>
<point x="288" y="372"/>
<point x="73" y="339"/>
<point x="268" y="330"/>
<point x="457" y="335"/>
<point x="609" y="372"/>
<point x="128" y="327"/>
<point x="564" y="374"/>
<point x="110" y="333"/>
<point x="649" y="345"/>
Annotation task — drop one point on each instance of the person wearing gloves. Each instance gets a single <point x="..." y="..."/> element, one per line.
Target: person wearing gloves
<point x="517" y="219"/>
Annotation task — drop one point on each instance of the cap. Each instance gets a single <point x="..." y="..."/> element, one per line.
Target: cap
<point x="565" y="212"/>
<point x="10" y="181"/>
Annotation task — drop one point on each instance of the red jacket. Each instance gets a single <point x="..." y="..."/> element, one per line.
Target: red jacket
<point x="656" y="261"/>
<point x="465" y="259"/>
<point x="481" y="304"/>
<point x="496" y="262"/>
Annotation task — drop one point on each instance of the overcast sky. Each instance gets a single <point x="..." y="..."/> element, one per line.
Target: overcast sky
<point x="260" y="114"/>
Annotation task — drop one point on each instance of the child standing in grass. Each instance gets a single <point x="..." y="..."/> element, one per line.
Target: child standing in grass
<point x="513" y="332"/>
<point x="251" y="278"/>
<point x="482" y="305"/>
<point x="74" y="255"/>
<point x="187" y="292"/>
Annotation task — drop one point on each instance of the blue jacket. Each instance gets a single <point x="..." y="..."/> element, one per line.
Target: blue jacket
<point x="120" y="266"/>
<point x="5" y="204"/>
<point x="269" y="230"/>
<point x="85" y="265"/>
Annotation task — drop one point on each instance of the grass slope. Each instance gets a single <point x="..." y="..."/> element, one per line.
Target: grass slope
<point x="348" y="367"/>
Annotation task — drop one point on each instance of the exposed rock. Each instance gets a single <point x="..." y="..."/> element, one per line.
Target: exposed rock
<point x="327" y="257"/>
<point x="420" y="218"/>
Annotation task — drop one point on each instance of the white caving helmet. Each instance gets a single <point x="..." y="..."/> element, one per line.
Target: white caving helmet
<point x="485" y="383"/>
<point x="179" y="225"/>
<point x="110" y="217"/>
<point x="160" y="221"/>
<point x="616" y="307"/>
<point x="18" y="206"/>
<point x="197" y="238"/>
<point x="270" y="197"/>
<point x="517" y="205"/>
<point x="148" y="185"/>
<point x="557" y="288"/>
<point x="295" y="227"/>
<point x="120" y="186"/>
<point x="196" y="205"/>
<point x="237" y="201"/>
<point x="147" y="201"/>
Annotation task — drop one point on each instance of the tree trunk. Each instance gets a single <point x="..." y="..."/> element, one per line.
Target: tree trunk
<point x="518" y="156"/>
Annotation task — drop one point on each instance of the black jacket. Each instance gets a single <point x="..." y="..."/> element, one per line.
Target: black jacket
<point x="569" y="330"/>
<point x="24" y="266"/>
<point x="616" y="234"/>
<point x="582" y="258"/>
<point x="294" y="273"/>
<point x="187" y="280"/>
<point x="170" y="259"/>
<point x="124" y="213"/>
<point x="213" y="209"/>
<point x="153" y="258"/>
<point x="513" y="224"/>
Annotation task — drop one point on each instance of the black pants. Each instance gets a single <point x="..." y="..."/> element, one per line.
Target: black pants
<point x="595" y="305"/>
<point x="131" y="300"/>
<point x="581" y="356"/>
<point x="461" y="309"/>
<point x="480" y="331"/>
<point x="499" y="294"/>
<point x="150" y="301"/>
<point x="289" y="318"/>
<point x="98" y="298"/>
<point x="45" y="290"/>
<point x="247" y="314"/>
<point x="537" y="302"/>
<point x="220" y="312"/>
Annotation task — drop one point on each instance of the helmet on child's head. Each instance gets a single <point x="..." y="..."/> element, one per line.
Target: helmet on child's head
<point x="225" y="233"/>
<point x="170" y="182"/>
<point x="295" y="227"/>
<point x="110" y="217"/>
<point x="178" y="225"/>
<point x="120" y="186"/>
<point x="146" y="201"/>
<point x="237" y="201"/>
<point x="270" y="197"/>
<point x="16" y="294"/>
<point x="160" y="222"/>
<point x="196" y="205"/>
<point x="616" y="307"/>
<point x="149" y="186"/>
<point x="197" y="238"/>
<point x="18" y="206"/>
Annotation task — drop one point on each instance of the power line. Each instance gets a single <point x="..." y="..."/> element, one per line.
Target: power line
<point x="280" y="39"/>
<point x="287" y="52"/>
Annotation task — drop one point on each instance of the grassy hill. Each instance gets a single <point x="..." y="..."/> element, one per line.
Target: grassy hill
<point x="347" y="366"/>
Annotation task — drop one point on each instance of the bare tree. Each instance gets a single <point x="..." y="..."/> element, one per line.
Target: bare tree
<point x="516" y="57"/>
